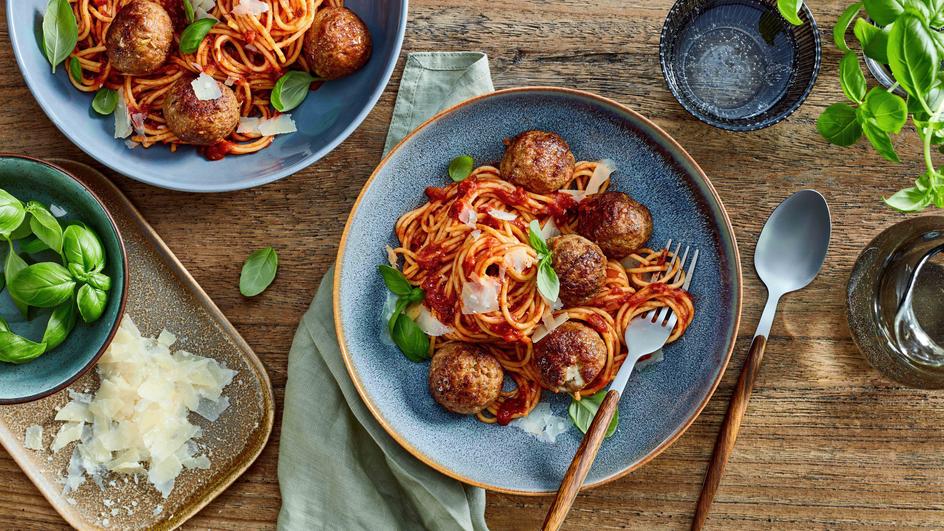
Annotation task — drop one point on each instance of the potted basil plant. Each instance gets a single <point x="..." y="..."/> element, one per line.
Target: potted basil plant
<point x="905" y="36"/>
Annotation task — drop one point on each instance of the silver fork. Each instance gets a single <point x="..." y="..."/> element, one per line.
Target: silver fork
<point x="644" y="335"/>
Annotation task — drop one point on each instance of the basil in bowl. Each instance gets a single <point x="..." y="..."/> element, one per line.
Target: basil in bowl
<point x="64" y="279"/>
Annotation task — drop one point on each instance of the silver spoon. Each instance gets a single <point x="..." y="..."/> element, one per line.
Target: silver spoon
<point x="789" y="255"/>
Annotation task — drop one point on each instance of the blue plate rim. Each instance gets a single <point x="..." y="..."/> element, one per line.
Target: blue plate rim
<point x="675" y="149"/>
<point x="127" y="168"/>
<point x="124" y="292"/>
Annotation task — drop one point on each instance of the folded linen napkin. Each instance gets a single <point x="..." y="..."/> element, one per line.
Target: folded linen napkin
<point x="338" y="468"/>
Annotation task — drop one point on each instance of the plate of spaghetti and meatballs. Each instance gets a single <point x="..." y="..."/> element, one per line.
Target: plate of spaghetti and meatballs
<point x="490" y="268"/>
<point x="207" y="95"/>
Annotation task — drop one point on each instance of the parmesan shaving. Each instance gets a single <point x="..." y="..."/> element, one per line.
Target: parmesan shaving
<point x="137" y="121"/>
<point x="542" y="424"/>
<point x="601" y="174"/>
<point x="430" y="324"/>
<point x="475" y="234"/>
<point x="549" y="230"/>
<point x="34" y="437"/>
<point x="502" y="215"/>
<point x="392" y="258"/>
<point x="281" y="124"/>
<point x="250" y="7"/>
<point x="518" y="259"/>
<point x="206" y="88"/>
<point x="549" y="323"/>
<point x="468" y="215"/>
<point x="480" y="296"/>
<point x="122" y="117"/>
<point x="202" y="9"/>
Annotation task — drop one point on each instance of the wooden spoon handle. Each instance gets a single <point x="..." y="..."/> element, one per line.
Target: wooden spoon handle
<point x="729" y="430"/>
<point x="580" y="466"/>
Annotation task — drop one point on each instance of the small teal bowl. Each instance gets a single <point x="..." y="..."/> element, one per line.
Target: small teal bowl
<point x="31" y="179"/>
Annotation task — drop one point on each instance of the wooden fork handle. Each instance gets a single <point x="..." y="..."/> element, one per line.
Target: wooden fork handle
<point x="729" y="430"/>
<point x="580" y="466"/>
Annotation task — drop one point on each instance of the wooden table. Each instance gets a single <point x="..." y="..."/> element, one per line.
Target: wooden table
<point x="826" y="443"/>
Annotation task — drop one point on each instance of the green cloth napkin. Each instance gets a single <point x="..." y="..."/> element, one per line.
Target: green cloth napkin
<point x="338" y="468"/>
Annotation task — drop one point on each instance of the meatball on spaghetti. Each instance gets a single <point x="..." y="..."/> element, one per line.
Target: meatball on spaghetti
<point x="570" y="357"/>
<point x="338" y="43"/>
<point x="538" y="161"/>
<point x="580" y="266"/>
<point x="617" y="223"/>
<point x="140" y="37"/>
<point x="200" y="122"/>
<point x="464" y="378"/>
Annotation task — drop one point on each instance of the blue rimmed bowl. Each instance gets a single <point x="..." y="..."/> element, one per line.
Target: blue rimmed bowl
<point x="32" y="179"/>
<point x="326" y="118"/>
<point x="659" y="404"/>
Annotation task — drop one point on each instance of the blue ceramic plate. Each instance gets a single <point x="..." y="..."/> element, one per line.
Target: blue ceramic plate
<point x="659" y="404"/>
<point x="328" y="116"/>
<point x="30" y="179"/>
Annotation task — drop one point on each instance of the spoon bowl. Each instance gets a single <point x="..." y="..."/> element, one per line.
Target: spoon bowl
<point x="792" y="246"/>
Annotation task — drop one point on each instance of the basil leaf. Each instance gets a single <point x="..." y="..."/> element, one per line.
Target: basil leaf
<point x="535" y="238"/>
<point x="33" y="246"/>
<point x="60" y="325"/>
<point x="842" y="26"/>
<point x="4" y="327"/>
<point x="16" y="349"/>
<point x="12" y="266"/>
<point x="839" y="125"/>
<point x="410" y="339"/>
<point x="912" y="55"/>
<point x="60" y="32"/>
<point x="909" y="200"/>
<point x="417" y="295"/>
<point x="194" y="34"/>
<point x="91" y="303"/>
<point x="874" y="41"/>
<point x="45" y="226"/>
<point x="291" y="90"/>
<point x="105" y="101"/>
<point x="188" y="11"/>
<point x="12" y="213"/>
<point x="880" y="140"/>
<point x="43" y="285"/>
<point x="851" y="78"/>
<point x="100" y="281"/>
<point x="790" y="10"/>
<point x="258" y="272"/>
<point x="548" y="283"/>
<point x="889" y="110"/>
<point x="584" y="410"/>
<point x="395" y="281"/>
<point x="75" y="68"/>
<point x="883" y="12"/>
<point x="23" y="230"/>
<point x="397" y="311"/>
<point x="80" y="245"/>
<point x="460" y="168"/>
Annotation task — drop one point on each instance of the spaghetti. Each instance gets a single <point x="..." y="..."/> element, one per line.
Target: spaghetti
<point x="248" y="52"/>
<point x="478" y="229"/>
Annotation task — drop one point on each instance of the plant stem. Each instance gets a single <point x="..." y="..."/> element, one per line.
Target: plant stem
<point x="892" y="88"/>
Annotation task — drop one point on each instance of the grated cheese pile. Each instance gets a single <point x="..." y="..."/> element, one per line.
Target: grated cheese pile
<point x="136" y="422"/>
<point x="542" y="424"/>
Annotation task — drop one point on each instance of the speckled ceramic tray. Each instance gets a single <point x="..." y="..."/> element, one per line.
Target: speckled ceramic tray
<point x="162" y="294"/>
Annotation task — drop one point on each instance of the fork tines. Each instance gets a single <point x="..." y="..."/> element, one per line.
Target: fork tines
<point x="682" y="266"/>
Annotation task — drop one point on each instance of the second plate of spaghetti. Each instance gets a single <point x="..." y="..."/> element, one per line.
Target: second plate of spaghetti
<point x="487" y="274"/>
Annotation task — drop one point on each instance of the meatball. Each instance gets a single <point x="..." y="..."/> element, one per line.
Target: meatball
<point x="616" y="222"/>
<point x="538" y="161"/>
<point x="200" y="122"/>
<point x="464" y="378"/>
<point x="337" y="44"/>
<point x="570" y="357"/>
<point x="139" y="38"/>
<point x="580" y="266"/>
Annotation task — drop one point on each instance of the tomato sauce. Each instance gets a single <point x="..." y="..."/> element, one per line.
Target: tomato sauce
<point x="434" y="193"/>
<point x="516" y="198"/>
<point x="597" y="323"/>
<point x="430" y="256"/>
<point x="507" y="332"/>
<point x="511" y="407"/>
<point x="442" y="305"/>
<point x="563" y="204"/>
<point x="219" y="150"/>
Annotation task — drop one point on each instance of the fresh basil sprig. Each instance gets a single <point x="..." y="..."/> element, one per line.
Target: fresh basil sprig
<point x="460" y="168"/>
<point x="406" y="334"/>
<point x="43" y="285"/>
<point x="17" y="349"/>
<point x="61" y="323"/>
<point x="188" y="11"/>
<point x="82" y="250"/>
<point x="291" y="90"/>
<point x="91" y="302"/>
<point x="548" y="283"/>
<point x="194" y="34"/>
<point x="584" y="410"/>
<point x="105" y="101"/>
<point x="60" y="32"/>
<point x="12" y="266"/>
<point x="12" y="213"/>
<point x="45" y="226"/>
<point x="258" y="272"/>
<point x="790" y="11"/>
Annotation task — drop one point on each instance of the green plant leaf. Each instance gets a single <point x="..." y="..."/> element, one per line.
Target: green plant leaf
<point x="188" y="11"/>
<point x="912" y="55"/>
<point x="60" y="32"/>
<point x="105" y="101"/>
<point x="889" y="110"/>
<point x="536" y="240"/>
<point x="291" y="90"/>
<point x="402" y="303"/>
<point x="839" y="125"/>
<point x="883" y="12"/>
<point x="395" y="281"/>
<point x="16" y="349"/>
<point x="75" y="68"/>
<point x="258" y="272"/>
<point x="460" y="168"/>
<point x="880" y="140"/>
<point x="100" y="281"/>
<point x="410" y="339"/>
<point x="23" y="230"/>
<point x="851" y="78"/>
<point x="61" y="323"/>
<point x="33" y="246"/>
<point x="584" y="410"/>
<point x="842" y="26"/>
<point x="909" y="200"/>
<point x="43" y="285"/>
<point x="12" y="213"/>
<point x="80" y="245"/>
<point x="12" y="266"/>
<point x="91" y="303"/>
<point x="548" y="283"/>
<point x="790" y="10"/>
<point x="194" y="34"/>
<point x="874" y="40"/>
<point x="45" y="226"/>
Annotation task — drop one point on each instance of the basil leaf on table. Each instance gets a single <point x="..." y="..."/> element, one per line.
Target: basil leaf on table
<point x="839" y="125"/>
<point x="395" y="281"/>
<point x="909" y="200"/>
<point x="889" y="110"/>
<point x="16" y="349"/>
<point x="584" y="410"/>
<point x="188" y="11"/>
<point x="880" y="140"/>
<point x="45" y="226"/>
<point x="842" y="26"/>
<point x="874" y="41"/>
<point x="99" y="281"/>
<point x="912" y="55"/>
<point x="851" y="78"/>
<point x="194" y="34"/>
<point x="80" y="245"/>
<point x="105" y="101"/>
<point x="884" y="12"/>
<point x="12" y="213"/>
<point x="33" y="246"/>
<point x="12" y="266"/>
<point x="60" y="325"/>
<point x="291" y="90"/>
<point x="460" y="168"/>
<point x="258" y="272"/>
<point x="410" y="338"/>
<point x="43" y="285"/>
<point x="60" y="32"/>
<point x="790" y="11"/>
<point x="91" y="303"/>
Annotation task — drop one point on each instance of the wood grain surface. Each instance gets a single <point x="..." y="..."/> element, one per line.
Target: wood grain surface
<point x="826" y="443"/>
